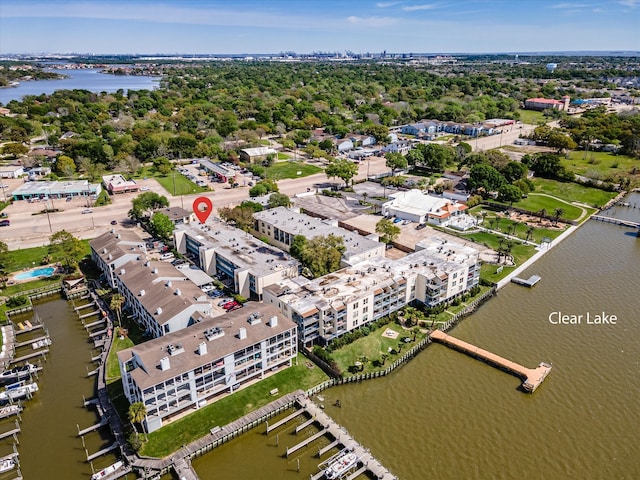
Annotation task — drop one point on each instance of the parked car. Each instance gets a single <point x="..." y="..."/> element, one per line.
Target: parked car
<point x="216" y="293"/>
<point x="166" y="256"/>
<point x="397" y="220"/>
<point x="235" y="307"/>
<point x="87" y="210"/>
<point x="5" y="223"/>
<point x="233" y="304"/>
<point x="144" y="189"/>
<point x="69" y="198"/>
<point x="207" y="288"/>
<point x="224" y="301"/>
<point x="114" y="222"/>
<point x="420" y="226"/>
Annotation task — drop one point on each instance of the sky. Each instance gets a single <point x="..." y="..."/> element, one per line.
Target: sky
<point x="305" y="26"/>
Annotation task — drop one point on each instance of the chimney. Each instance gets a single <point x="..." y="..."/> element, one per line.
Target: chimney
<point x="202" y="348"/>
<point x="178" y="292"/>
<point x="273" y="321"/>
<point x="242" y="334"/>
<point x="158" y="310"/>
<point x="142" y="292"/>
<point x="164" y="363"/>
<point x="122" y="271"/>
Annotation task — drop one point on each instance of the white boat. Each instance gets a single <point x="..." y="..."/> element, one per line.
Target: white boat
<point x="6" y="464"/>
<point x="105" y="472"/>
<point x="45" y="342"/>
<point x="19" y="390"/>
<point x="340" y="466"/>
<point x="18" y="373"/>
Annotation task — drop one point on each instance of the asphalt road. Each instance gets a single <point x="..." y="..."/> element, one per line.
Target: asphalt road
<point x="30" y="228"/>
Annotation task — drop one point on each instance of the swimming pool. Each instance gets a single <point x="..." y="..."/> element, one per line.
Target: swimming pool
<point x="37" y="272"/>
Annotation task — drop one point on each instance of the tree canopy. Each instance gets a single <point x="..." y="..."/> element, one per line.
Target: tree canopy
<point x="387" y="230"/>
<point x="343" y="169"/>
<point x="146" y="203"/>
<point x="66" y="249"/>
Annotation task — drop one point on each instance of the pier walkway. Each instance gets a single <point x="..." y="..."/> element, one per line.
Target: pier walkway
<point x="532" y="378"/>
<point x="617" y="221"/>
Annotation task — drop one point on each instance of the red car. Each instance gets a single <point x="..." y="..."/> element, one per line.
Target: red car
<point x="230" y="305"/>
<point x="235" y="307"/>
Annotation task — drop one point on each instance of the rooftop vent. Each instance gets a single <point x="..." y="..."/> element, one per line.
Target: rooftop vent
<point x="242" y="334"/>
<point x="155" y="270"/>
<point x="175" y="349"/>
<point x="158" y="310"/>
<point x="122" y="271"/>
<point x="213" y="333"/>
<point x="178" y="292"/>
<point x="164" y="363"/>
<point x="202" y="348"/>
<point x="104" y="250"/>
<point x="273" y="321"/>
<point x="168" y="284"/>
<point x="142" y="292"/>
<point x="109" y="257"/>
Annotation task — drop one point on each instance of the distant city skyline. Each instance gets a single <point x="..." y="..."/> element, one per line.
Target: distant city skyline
<point x="359" y="26"/>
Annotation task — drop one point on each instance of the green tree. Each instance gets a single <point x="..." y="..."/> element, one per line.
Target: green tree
<point x="343" y="169"/>
<point x="509" y="193"/>
<point x="162" y="226"/>
<point x="146" y="203"/>
<point x="65" y="166"/>
<point x="278" y="200"/>
<point x="241" y="217"/>
<point x="395" y="161"/>
<point x="557" y="213"/>
<point x="484" y="177"/>
<point x="15" y="149"/>
<point x="322" y="254"/>
<point x="116" y="303"/>
<point x="137" y="413"/>
<point x="66" y="249"/>
<point x="297" y="247"/>
<point x="387" y="230"/>
<point x="162" y="165"/>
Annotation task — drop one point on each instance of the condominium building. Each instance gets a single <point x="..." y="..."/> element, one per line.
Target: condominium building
<point x="161" y="297"/>
<point x="330" y="306"/>
<point x="186" y="370"/>
<point x="281" y="225"/>
<point x="113" y="249"/>
<point x="230" y="253"/>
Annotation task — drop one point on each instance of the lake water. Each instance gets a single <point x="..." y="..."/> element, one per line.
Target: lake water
<point x="86" y="79"/>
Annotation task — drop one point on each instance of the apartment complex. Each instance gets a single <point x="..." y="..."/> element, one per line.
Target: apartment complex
<point x="113" y="249"/>
<point x="230" y="253"/>
<point x="281" y="225"/>
<point x="189" y="369"/>
<point x="330" y="306"/>
<point x="161" y="297"/>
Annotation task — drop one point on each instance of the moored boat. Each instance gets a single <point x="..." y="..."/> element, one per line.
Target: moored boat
<point x="7" y="463"/>
<point x="18" y="373"/>
<point x="45" y="342"/>
<point x="340" y="466"/>
<point x="105" y="472"/>
<point x="17" y="391"/>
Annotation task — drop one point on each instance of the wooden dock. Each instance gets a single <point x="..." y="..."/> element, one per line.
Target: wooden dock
<point x="532" y="378"/>
<point x="32" y="341"/>
<point x="528" y="282"/>
<point x="105" y="450"/>
<point x="84" y="431"/>
<point x="306" y="442"/>
<point x="284" y="420"/>
<point x="39" y="353"/>
<point x="616" y="221"/>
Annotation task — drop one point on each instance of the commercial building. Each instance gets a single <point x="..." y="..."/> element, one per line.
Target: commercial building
<point x="49" y="189"/>
<point x="417" y="207"/>
<point x="547" y="103"/>
<point x="222" y="173"/>
<point x="187" y="370"/>
<point x="118" y="184"/>
<point x="229" y="253"/>
<point x="258" y="153"/>
<point x="281" y="225"/>
<point x="330" y="306"/>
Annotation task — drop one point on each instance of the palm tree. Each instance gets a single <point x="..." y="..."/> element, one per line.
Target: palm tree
<point x="530" y="232"/>
<point x="557" y="213"/>
<point x="384" y="357"/>
<point x="116" y="303"/>
<point x="137" y="414"/>
<point x="542" y="213"/>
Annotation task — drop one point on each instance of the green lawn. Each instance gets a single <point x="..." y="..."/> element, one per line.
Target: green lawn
<point x="176" y="184"/>
<point x="198" y="424"/>
<point x="283" y="156"/>
<point x="290" y="169"/>
<point x="532" y="117"/>
<point x="113" y="368"/>
<point x="373" y="346"/>
<point x="535" y="203"/>
<point x="573" y="192"/>
<point x="602" y="165"/>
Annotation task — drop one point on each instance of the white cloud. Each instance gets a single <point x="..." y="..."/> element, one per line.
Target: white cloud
<point x="629" y="3"/>
<point x="414" y="8"/>
<point x="570" y="5"/>
<point x="388" y="4"/>
<point x="373" y="21"/>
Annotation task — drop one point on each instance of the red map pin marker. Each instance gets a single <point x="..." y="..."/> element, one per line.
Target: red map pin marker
<point x="202" y="207"/>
